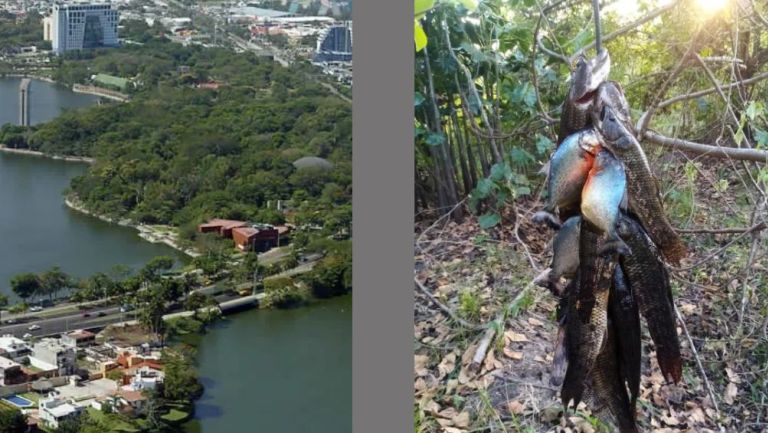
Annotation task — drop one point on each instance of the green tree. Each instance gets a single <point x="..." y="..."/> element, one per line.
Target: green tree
<point x="53" y="281"/>
<point x="12" y="421"/>
<point x="181" y="381"/>
<point x="25" y="285"/>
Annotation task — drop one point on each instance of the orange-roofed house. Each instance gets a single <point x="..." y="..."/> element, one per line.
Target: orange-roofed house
<point x="255" y="238"/>
<point x="221" y="226"/>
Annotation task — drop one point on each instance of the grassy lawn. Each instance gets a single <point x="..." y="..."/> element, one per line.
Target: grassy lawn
<point x="113" y="423"/>
<point x="31" y="396"/>
<point x="175" y="416"/>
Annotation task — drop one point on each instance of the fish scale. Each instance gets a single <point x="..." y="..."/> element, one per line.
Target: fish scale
<point x="643" y="191"/>
<point x="622" y="310"/>
<point x="606" y="385"/>
<point x="649" y="282"/>
<point x="587" y="313"/>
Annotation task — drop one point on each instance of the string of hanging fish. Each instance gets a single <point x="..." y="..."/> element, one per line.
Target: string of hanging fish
<point x="612" y="238"/>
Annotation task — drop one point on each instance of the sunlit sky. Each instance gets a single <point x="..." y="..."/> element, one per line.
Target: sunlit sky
<point x="629" y="10"/>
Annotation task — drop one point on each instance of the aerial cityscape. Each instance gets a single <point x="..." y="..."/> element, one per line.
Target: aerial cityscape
<point x="186" y="166"/>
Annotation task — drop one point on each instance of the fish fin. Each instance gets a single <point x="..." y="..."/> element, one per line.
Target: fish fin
<point x="614" y="245"/>
<point x="560" y="360"/>
<point x="544" y="278"/>
<point x="671" y="368"/>
<point x="546" y="217"/>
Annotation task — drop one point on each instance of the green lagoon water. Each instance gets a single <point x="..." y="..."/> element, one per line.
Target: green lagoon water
<point x="278" y="371"/>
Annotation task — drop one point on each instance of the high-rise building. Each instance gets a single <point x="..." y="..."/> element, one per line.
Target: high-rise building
<point x="48" y="28"/>
<point x="335" y="44"/>
<point x="84" y="25"/>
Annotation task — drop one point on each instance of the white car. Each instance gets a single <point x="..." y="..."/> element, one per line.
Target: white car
<point x="34" y="327"/>
<point x="36" y="308"/>
<point x="27" y="336"/>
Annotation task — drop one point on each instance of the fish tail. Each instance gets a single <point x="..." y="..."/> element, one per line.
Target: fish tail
<point x="560" y="361"/>
<point x="675" y="251"/>
<point x="671" y="367"/>
<point x="548" y="218"/>
<point x="614" y="245"/>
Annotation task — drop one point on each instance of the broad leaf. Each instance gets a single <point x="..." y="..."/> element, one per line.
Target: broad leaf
<point x="489" y="220"/>
<point x="420" y="38"/>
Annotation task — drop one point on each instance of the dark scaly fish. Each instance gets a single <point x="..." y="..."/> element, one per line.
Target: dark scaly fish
<point x="649" y="282"/>
<point x="560" y="359"/>
<point x="607" y="387"/>
<point x="585" y="79"/>
<point x="643" y="191"/>
<point x="568" y="170"/>
<point x="587" y="312"/>
<point x="602" y="197"/>
<point x="610" y="94"/>
<point x="622" y="310"/>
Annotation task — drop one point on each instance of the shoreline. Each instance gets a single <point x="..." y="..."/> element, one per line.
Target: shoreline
<point x="85" y="159"/>
<point x="145" y="232"/>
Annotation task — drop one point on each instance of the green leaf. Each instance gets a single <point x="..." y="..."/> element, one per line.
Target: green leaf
<point x="435" y="138"/>
<point x="762" y="138"/>
<point x="754" y="109"/>
<point x="543" y="144"/>
<point x="520" y="157"/>
<point x="420" y="7"/>
<point x="489" y="220"/>
<point x="484" y="188"/>
<point x="420" y="38"/>
<point x="469" y="4"/>
<point x="418" y="99"/>
<point x="500" y="171"/>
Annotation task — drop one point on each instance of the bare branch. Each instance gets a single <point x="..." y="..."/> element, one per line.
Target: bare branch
<point x="738" y="153"/>
<point x="737" y="230"/>
<point x="629" y="27"/>
<point x="687" y="96"/>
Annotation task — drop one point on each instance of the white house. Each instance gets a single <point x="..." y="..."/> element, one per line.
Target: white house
<point x="53" y="410"/>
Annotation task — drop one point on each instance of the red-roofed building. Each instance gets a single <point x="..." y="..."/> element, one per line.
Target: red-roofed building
<point x="221" y="226"/>
<point x="255" y="238"/>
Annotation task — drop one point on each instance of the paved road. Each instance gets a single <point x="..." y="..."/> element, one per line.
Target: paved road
<point x="61" y="324"/>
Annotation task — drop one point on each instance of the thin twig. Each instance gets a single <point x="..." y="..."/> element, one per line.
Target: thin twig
<point x="698" y="361"/>
<point x="718" y="251"/>
<point x="445" y="309"/>
<point x="687" y="96"/>
<point x="757" y="227"/>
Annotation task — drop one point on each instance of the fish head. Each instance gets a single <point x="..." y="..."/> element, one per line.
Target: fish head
<point x="600" y="67"/>
<point x="587" y="77"/>
<point x="581" y="80"/>
<point x="610" y="94"/>
<point x="589" y="141"/>
<point x="610" y="125"/>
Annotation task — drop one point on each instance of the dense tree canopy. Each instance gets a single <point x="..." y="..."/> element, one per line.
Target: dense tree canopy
<point x="179" y="154"/>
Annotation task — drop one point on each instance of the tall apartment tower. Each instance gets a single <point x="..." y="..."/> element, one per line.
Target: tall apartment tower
<point x="84" y="25"/>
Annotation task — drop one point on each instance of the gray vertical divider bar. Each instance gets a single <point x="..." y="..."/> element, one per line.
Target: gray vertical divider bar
<point x="383" y="209"/>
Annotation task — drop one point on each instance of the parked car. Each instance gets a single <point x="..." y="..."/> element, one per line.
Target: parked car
<point x="101" y="314"/>
<point x="86" y="314"/>
<point x="126" y="308"/>
<point x="36" y="308"/>
<point x="27" y="336"/>
<point x="10" y="321"/>
<point x="34" y="327"/>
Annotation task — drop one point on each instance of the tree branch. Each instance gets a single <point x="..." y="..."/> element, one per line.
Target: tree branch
<point x="687" y="96"/>
<point x="628" y="27"/>
<point x="738" y="153"/>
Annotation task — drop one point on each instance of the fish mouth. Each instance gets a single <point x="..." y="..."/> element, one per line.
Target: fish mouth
<point x="587" y="98"/>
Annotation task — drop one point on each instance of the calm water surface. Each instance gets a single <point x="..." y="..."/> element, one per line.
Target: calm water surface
<point x="278" y="371"/>
<point x="46" y="100"/>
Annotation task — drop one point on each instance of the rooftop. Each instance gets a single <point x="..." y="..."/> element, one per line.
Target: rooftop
<point x="6" y="363"/>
